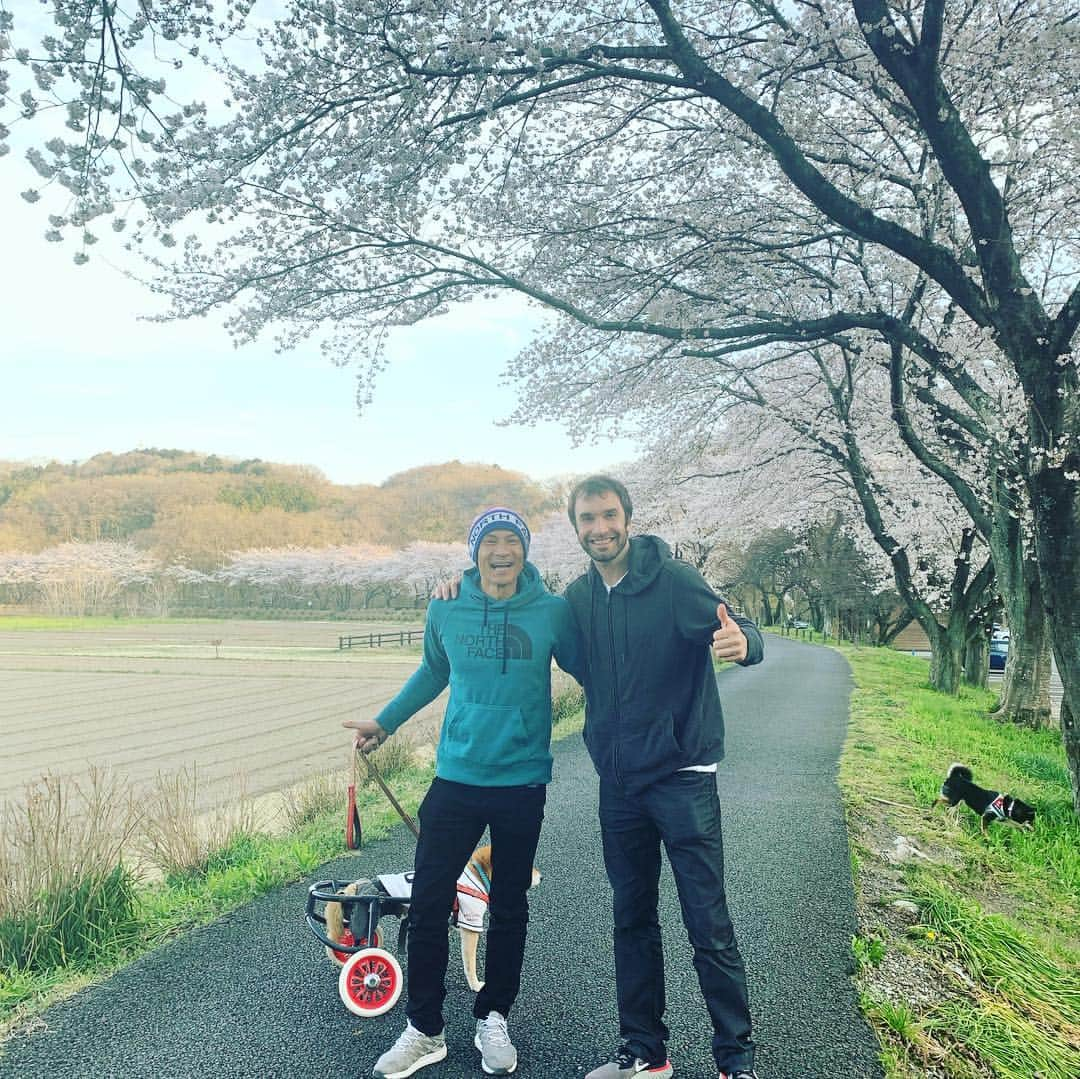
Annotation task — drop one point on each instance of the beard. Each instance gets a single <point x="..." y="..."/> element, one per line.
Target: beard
<point x="608" y="553"/>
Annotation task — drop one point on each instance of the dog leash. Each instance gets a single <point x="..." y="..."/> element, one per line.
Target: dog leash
<point x="353" y="831"/>
<point x="374" y="773"/>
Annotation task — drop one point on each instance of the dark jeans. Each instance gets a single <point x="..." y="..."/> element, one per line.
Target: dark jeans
<point x="452" y="820"/>
<point x="683" y="811"/>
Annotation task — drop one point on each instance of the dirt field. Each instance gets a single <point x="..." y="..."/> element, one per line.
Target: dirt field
<point x="267" y="701"/>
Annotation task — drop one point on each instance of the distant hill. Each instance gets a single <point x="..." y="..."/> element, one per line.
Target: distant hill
<point x="198" y="508"/>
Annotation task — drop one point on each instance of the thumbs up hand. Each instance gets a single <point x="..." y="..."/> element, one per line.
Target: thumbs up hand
<point x="729" y="642"/>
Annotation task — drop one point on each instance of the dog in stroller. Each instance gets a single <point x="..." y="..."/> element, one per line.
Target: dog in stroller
<point x="371" y="981"/>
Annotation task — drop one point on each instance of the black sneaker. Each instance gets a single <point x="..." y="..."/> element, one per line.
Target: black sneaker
<point x="738" y="1075"/>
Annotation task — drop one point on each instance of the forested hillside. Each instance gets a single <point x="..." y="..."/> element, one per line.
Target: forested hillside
<point x="197" y="509"/>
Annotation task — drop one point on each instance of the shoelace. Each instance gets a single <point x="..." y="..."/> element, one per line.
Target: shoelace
<point x="624" y="1057"/>
<point x="495" y="1030"/>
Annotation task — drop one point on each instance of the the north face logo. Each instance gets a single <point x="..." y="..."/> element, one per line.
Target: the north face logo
<point x="490" y="643"/>
<point x="518" y="643"/>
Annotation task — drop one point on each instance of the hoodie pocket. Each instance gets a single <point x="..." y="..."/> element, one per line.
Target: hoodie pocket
<point x="651" y="747"/>
<point x="490" y="734"/>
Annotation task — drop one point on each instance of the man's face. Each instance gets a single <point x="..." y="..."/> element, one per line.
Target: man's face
<point x="500" y="557"/>
<point x="601" y="526"/>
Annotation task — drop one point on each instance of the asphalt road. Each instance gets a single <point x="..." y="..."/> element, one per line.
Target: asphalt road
<point x="254" y="996"/>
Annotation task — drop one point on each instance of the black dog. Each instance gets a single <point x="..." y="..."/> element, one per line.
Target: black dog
<point x="990" y="805"/>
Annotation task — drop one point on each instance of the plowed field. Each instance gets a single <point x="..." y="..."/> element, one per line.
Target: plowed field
<point x="267" y="701"/>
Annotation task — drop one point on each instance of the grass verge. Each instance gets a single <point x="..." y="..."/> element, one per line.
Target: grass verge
<point x="968" y="955"/>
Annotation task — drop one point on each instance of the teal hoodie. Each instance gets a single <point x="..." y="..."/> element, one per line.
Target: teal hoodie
<point x="496" y="657"/>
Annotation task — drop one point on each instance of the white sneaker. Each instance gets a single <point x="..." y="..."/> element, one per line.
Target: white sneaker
<point x="497" y="1053"/>
<point x="411" y="1052"/>
<point x="625" y="1065"/>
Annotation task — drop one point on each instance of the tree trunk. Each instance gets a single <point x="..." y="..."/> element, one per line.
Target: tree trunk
<point x="1055" y="499"/>
<point x="946" y="656"/>
<point x="976" y="657"/>
<point x="967" y="609"/>
<point x="1025" y="693"/>
<point x="1070" y="735"/>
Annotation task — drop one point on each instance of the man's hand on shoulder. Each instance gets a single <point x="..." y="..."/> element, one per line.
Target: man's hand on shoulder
<point x="447" y="589"/>
<point x="729" y="641"/>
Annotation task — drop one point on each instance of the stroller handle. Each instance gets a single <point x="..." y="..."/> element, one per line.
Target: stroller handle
<point x="330" y="891"/>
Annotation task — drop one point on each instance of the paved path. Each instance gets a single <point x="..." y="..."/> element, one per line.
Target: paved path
<point x="252" y="996"/>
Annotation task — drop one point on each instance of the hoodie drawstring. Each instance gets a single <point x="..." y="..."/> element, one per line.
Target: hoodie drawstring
<point x="506" y="628"/>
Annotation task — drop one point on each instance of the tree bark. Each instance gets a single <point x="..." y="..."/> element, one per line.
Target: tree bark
<point x="1057" y="541"/>
<point x="947" y="655"/>
<point x="1025" y="694"/>
<point x="976" y="657"/>
<point x="1070" y="736"/>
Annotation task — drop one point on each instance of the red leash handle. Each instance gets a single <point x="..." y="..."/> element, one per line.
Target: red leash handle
<point x="353" y="830"/>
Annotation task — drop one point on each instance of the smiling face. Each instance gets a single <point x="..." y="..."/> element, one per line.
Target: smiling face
<point x="603" y="530"/>
<point x="500" y="558"/>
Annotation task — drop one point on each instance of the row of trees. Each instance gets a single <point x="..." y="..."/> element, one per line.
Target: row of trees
<point x="821" y="574"/>
<point x="108" y="577"/>
<point x="197" y="509"/>
<point x="843" y="233"/>
<point x="779" y="575"/>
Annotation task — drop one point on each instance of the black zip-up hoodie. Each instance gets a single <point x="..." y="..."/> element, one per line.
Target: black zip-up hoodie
<point x="651" y="702"/>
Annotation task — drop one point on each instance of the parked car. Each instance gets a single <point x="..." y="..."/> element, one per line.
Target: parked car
<point x="797" y="623"/>
<point x="999" y="652"/>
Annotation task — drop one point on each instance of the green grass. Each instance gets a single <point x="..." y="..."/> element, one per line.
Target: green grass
<point x="1000" y="921"/>
<point x="248" y="867"/>
<point x="868" y="951"/>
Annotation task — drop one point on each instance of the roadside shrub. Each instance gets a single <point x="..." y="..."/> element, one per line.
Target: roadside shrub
<point x="566" y="703"/>
<point x="394" y="755"/>
<point x="65" y="893"/>
<point x="316" y="797"/>
<point x="180" y="840"/>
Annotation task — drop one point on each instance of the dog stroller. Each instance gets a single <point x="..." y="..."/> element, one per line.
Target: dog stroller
<point x="371" y="979"/>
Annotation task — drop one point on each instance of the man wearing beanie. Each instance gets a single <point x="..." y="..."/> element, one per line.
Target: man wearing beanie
<point x="492" y="766"/>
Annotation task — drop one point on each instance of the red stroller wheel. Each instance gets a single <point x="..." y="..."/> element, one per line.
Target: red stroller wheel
<point x="341" y="958"/>
<point x="370" y="982"/>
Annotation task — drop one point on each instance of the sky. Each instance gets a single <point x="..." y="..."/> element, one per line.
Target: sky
<point x="82" y="373"/>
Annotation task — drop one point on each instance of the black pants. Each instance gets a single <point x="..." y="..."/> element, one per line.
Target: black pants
<point x="452" y="820"/>
<point x="683" y="811"/>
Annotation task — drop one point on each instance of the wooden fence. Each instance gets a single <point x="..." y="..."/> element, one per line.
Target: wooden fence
<point x="377" y="640"/>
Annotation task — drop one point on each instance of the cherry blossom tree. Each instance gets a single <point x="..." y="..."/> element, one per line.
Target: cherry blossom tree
<point x="328" y="576"/>
<point x="82" y="578"/>
<point x="816" y="414"/>
<point x="556" y="553"/>
<point x="684" y="185"/>
<point x="421" y="565"/>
